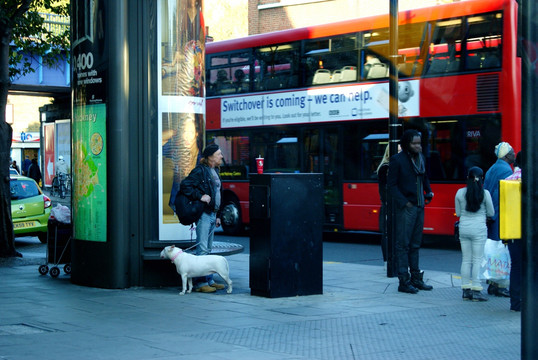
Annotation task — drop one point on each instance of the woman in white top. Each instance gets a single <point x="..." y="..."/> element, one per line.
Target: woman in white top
<point x="473" y="206"/>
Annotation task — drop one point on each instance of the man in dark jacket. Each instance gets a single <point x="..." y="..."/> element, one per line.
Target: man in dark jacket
<point x="204" y="184"/>
<point x="409" y="186"/>
<point x="34" y="172"/>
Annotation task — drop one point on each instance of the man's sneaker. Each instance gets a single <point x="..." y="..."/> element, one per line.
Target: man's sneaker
<point x="205" y="289"/>
<point x="217" y="286"/>
<point x="467" y="294"/>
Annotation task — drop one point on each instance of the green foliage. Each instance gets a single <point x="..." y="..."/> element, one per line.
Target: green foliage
<point x="33" y="127"/>
<point x="41" y="33"/>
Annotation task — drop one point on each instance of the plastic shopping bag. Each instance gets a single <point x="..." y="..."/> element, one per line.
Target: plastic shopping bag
<point x="61" y="213"/>
<point x="496" y="262"/>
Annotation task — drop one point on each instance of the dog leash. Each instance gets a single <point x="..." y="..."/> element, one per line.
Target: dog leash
<point x="192" y="229"/>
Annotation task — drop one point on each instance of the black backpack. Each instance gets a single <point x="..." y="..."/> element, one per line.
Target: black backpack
<point x="188" y="210"/>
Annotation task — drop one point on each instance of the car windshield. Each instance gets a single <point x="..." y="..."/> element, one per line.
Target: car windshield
<point x="22" y="189"/>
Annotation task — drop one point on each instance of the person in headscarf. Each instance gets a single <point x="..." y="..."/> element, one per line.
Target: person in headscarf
<point x="409" y="186"/>
<point x="500" y="170"/>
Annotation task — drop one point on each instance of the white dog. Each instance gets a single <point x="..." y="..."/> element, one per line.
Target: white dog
<point x="189" y="266"/>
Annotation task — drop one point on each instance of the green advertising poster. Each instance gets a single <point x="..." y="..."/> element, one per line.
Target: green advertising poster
<point x="89" y="175"/>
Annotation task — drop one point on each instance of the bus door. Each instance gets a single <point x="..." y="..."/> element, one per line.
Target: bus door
<point x="320" y="151"/>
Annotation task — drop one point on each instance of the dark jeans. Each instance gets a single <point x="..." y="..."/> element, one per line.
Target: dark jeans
<point x="409" y="226"/>
<point x="515" y="249"/>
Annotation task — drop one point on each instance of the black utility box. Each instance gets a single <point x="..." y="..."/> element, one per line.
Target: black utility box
<point x="286" y="225"/>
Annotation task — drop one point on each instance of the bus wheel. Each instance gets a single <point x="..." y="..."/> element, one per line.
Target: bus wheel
<point x="231" y="219"/>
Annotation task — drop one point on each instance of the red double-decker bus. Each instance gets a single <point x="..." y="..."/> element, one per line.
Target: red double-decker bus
<point x="315" y="99"/>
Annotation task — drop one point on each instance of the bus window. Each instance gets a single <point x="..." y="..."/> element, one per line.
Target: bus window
<point x="444" y="51"/>
<point x="364" y="146"/>
<point x="376" y="51"/>
<point x="452" y="146"/>
<point x="277" y="67"/>
<point x="372" y="150"/>
<point x="410" y="41"/>
<point x="280" y="150"/>
<point x="311" y="149"/>
<point x="235" y="150"/>
<point x="331" y="60"/>
<point x="226" y="73"/>
<point x="484" y="41"/>
<point x="376" y="54"/>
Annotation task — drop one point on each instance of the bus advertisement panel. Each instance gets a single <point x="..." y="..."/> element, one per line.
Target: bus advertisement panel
<point x="356" y="102"/>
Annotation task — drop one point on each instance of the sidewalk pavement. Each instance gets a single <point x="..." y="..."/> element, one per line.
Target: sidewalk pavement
<point x="360" y="315"/>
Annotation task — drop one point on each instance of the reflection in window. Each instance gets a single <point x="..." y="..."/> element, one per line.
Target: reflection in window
<point x="182" y="48"/>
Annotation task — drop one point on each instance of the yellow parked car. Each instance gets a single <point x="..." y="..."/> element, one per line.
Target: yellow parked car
<point x="30" y="208"/>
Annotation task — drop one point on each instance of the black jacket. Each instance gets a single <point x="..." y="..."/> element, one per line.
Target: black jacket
<point x="198" y="183"/>
<point x="403" y="181"/>
<point x="34" y="172"/>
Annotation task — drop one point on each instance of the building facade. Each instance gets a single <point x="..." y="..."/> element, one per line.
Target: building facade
<point x="273" y="15"/>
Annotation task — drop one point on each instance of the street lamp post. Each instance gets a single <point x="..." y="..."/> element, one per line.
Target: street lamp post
<point x="394" y="128"/>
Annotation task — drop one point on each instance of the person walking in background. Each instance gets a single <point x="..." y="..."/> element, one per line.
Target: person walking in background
<point x="500" y="170"/>
<point x="61" y="166"/>
<point x="34" y="172"/>
<point x="473" y="205"/>
<point x="15" y="166"/>
<point x="203" y="183"/>
<point x="515" y="248"/>
<point x="25" y="165"/>
<point x="410" y="188"/>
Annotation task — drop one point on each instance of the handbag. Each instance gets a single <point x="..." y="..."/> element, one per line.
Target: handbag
<point x="457" y="230"/>
<point x="188" y="211"/>
<point x="496" y="262"/>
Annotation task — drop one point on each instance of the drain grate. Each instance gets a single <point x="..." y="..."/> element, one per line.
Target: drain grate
<point x="20" y="329"/>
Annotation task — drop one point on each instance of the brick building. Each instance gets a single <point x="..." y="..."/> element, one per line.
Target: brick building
<point x="273" y="15"/>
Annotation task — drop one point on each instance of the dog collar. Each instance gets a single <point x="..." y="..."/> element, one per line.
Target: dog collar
<point x="176" y="255"/>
